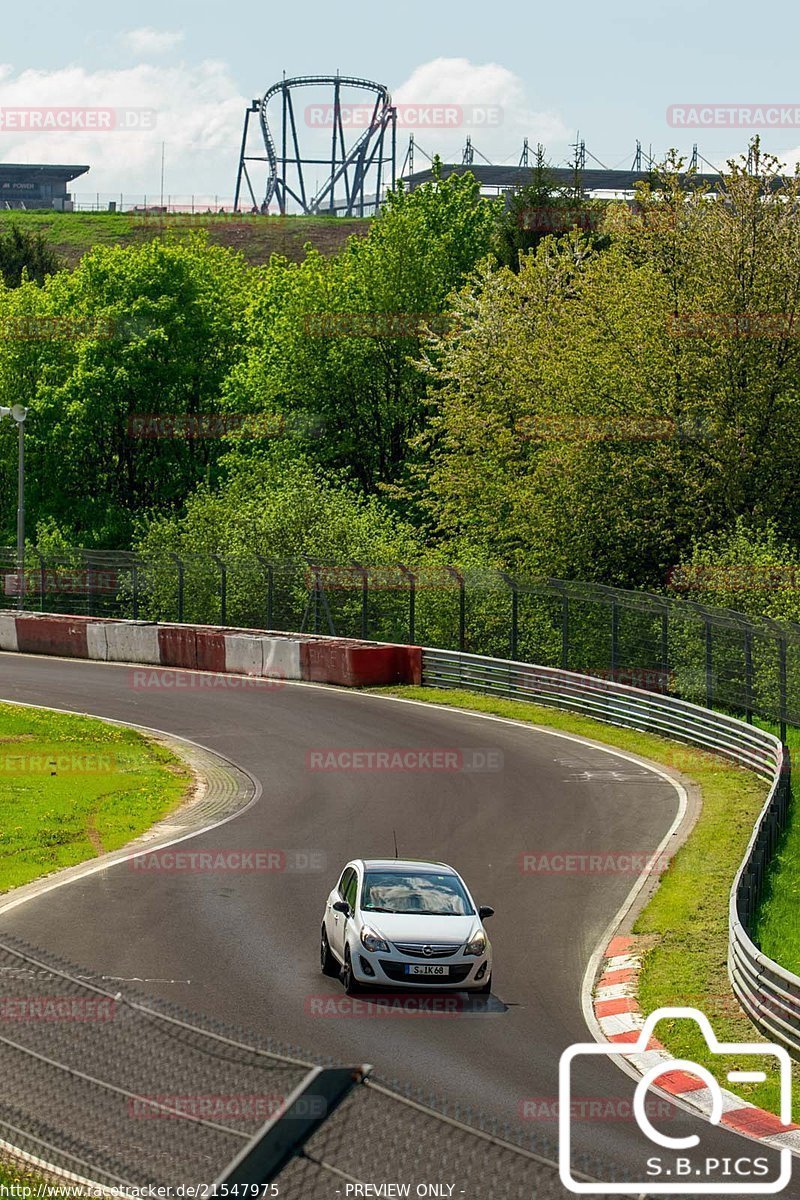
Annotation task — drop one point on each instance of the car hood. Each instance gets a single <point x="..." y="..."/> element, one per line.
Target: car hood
<point x="421" y="927"/>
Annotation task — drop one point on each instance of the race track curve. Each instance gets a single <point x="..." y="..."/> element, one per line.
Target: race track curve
<point x="243" y="947"/>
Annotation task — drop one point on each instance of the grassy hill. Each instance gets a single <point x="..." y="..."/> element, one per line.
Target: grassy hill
<point x="257" y="237"/>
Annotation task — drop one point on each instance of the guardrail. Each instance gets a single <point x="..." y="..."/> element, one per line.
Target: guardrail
<point x="769" y="994"/>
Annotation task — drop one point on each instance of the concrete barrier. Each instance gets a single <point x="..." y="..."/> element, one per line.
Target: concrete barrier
<point x="177" y="646"/>
<point x="8" y="632"/>
<point x="244" y="654"/>
<point x="211" y="654"/>
<point x="348" y="663"/>
<point x="282" y="658"/>
<point x="39" y="634"/>
<point x="97" y="641"/>
<point x="408" y="664"/>
<point x="132" y="641"/>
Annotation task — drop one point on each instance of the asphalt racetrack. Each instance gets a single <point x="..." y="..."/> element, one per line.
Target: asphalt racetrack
<point x="243" y="945"/>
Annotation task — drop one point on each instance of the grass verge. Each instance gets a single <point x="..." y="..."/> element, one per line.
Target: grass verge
<point x="73" y="787"/>
<point x="686" y="920"/>
<point x="257" y="237"/>
<point x="777" y="928"/>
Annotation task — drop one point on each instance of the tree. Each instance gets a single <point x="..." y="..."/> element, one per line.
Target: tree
<point x="598" y="411"/>
<point x="332" y="341"/>
<point x="105" y="356"/>
<point x="541" y="208"/>
<point x="25" y="253"/>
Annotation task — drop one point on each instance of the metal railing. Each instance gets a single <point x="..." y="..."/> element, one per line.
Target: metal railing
<point x="708" y="656"/>
<point x="768" y="993"/>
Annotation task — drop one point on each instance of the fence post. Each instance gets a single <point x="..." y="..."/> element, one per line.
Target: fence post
<point x="709" y="664"/>
<point x="512" y="583"/>
<point x="665" y="649"/>
<point x="179" y="564"/>
<point x="270" y="587"/>
<point x="135" y="587"/>
<point x="564" y="632"/>
<point x="223" y="588"/>
<point x="364" y="599"/>
<point x="462" y="606"/>
<point x="412" y="602"/>
<point x="782" y="666"/>
<point x="89" y="589"/>
<point x="42" y="579"/>
<point x="614" y="638"/>
<point x="748" y="675"/>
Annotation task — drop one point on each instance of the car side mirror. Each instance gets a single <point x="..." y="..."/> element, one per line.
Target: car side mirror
<point x="341" y="906"/>
<point x="485" y="911"/>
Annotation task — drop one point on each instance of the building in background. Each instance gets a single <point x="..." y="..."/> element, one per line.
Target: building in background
<point x="37" y="186"/>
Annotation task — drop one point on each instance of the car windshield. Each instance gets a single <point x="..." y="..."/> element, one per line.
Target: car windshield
<point x="426" y="893"/>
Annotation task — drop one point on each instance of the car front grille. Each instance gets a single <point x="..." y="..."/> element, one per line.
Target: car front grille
<point x="435" y="949"/>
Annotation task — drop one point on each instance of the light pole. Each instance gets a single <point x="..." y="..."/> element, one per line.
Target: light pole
<point x="18" y="413"/>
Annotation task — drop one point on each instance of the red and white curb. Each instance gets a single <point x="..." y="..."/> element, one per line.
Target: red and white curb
<point x="620" y="1019"/>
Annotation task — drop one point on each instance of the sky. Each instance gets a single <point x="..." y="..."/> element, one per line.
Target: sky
<point x="183" y="72"/>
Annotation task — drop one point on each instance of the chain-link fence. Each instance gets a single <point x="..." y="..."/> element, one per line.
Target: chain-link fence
<point x="125" y="1092"/>
<point x="715" y="657"/>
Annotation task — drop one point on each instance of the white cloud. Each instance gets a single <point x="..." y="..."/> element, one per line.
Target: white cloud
<point x="493" y="109"/>
<point x="196" y="110"/>
<point x="148" y="41"/>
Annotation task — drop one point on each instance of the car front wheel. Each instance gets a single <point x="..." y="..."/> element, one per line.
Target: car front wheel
<point x="349" y="980"/>
<point x="327" y="962"/>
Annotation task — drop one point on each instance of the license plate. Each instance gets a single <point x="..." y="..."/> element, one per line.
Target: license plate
<point x="426" y="969"/>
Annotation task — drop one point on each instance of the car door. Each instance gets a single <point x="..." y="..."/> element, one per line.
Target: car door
<point x="350" y="893"/>
<point x="335" y="921"/>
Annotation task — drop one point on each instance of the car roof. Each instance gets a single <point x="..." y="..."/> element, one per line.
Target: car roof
<point x="406" y="864"/>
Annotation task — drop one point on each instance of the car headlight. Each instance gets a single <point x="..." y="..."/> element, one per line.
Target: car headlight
<point x="372" y="941"/>
<point x="477" y="944"/>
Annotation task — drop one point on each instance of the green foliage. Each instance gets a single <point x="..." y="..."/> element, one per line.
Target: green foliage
<point x="590" y="424"/>
<point x="150" y="330"/>
<point x="751" y="569"/>
<point x="540" y="209"/>
<point x="25" y="253"/>
<point x="331" y="342"/>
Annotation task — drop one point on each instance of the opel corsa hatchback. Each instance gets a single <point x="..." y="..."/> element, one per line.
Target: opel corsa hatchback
<point x="404" y="924"/>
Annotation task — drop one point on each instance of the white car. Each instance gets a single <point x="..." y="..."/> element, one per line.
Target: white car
<point x="393" y="923"/>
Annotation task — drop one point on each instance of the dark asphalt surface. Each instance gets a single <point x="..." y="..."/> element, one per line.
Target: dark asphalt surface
<point x="243" y="947"/>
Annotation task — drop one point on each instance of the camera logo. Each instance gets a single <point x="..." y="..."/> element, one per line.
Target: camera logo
<point x="686" y="1175"/>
